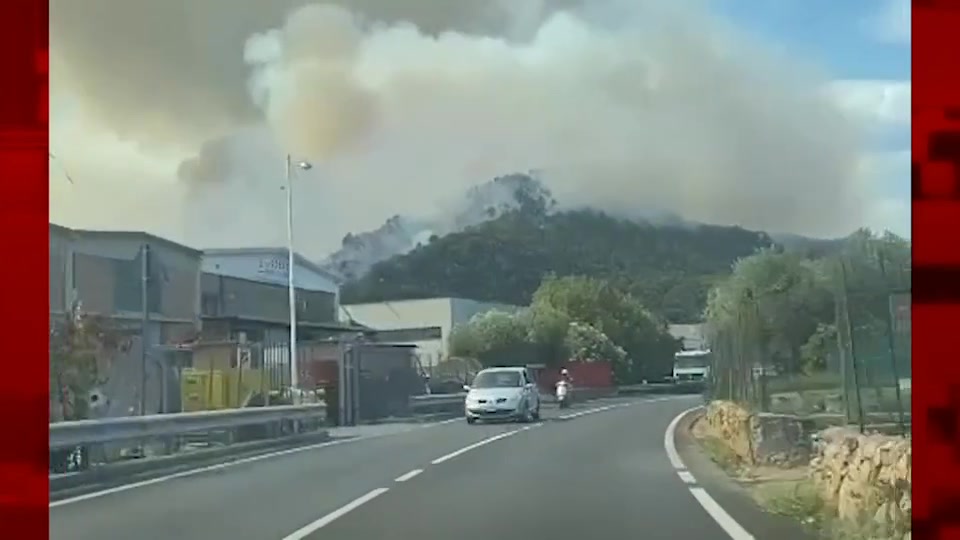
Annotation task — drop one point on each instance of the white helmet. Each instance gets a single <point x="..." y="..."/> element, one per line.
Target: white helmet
<point x="564" y="371"/>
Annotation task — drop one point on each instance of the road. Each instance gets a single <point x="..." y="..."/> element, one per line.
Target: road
<point x="598" y="470"/>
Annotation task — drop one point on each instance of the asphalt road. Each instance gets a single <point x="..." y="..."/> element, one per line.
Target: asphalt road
<point x="598" y="470"/>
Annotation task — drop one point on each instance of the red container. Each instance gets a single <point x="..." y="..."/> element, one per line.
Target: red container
<point x="597" y="374"/>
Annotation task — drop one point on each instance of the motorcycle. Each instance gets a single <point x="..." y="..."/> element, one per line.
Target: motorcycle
<point x="563" y="394"/>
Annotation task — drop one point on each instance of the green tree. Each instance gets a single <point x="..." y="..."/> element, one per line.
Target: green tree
<point x="548" y="328"/>
<point x="81" y="347"/>
<point x="819" y="346"/>
<point x="616" y="314"/>
<point x="780" y="293"/>
<point x="668" y="269"/>
<point x="492" y="337"/>
<point x="794" y="302"/>
<point x="587" y="344"/>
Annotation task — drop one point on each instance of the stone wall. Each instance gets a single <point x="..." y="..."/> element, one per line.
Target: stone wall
<point x="867" y="478"/>
<point x="758" y="438"/>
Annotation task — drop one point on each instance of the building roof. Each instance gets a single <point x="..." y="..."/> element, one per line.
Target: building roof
<point x="265" y="251"/>
<point x="335" y="327"/>
<point x="91" y="233"/>
<point x="432" y="298"/>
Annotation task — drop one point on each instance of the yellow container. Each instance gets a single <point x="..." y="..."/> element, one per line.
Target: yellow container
<point x="202" y="390"/>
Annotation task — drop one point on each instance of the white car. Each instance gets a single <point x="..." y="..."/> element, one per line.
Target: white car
<point x="507" y="393"/>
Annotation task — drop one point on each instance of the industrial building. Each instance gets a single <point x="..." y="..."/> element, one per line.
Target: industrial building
<point x="217" y="326"/>
<point x="441" y="315"/>
<point x="245" y="290"/>
<point x="105" y="272"/>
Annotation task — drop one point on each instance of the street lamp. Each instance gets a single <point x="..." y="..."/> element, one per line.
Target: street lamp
<point x="294" y="366"/>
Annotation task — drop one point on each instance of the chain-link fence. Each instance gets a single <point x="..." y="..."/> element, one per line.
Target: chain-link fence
<point x="853" y="369"/>
<point x="737" y="348"/>
<point x="874" y="332"/>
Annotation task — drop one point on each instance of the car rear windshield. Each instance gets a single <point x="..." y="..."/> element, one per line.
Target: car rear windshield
<point x="497" y="379"/>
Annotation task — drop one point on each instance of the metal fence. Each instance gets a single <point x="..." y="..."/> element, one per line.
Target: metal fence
<point x="864" y="378"/>
<point x="875" y="345"/>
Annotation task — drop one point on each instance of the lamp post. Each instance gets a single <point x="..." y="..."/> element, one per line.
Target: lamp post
<point x="291" y="289"/>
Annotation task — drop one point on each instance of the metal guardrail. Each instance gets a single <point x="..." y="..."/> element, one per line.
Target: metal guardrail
<point x="83" y="432"/>
<point x="437" y="399"/>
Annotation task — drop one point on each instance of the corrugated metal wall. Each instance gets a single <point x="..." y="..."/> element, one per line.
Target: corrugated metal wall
<point x="235" y="297"/>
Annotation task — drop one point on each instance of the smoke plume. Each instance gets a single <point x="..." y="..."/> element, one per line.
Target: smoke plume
<point x="401" y="105"/>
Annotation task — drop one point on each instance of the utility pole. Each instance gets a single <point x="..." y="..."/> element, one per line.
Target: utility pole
<point x="144" y="322"/>
<point x="853" y="348"/>
<point x="891" y="343"/>
<point x="291" y="291"/>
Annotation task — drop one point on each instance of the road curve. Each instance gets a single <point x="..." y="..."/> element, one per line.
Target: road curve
<point x="598" y="470"/>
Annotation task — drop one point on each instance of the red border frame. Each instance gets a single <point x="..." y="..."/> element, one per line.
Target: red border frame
<point x="936" y="310"/>
<point x="24" y="408"/>
<point x="23" y="207"/>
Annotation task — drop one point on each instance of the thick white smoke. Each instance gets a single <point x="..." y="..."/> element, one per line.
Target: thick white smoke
<point x="622" y="106"/>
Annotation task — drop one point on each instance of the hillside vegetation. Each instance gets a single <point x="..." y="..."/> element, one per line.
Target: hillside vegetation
<point x="669" y="269"/>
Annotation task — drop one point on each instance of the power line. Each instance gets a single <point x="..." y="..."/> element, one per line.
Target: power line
<point x="62" y="168"/>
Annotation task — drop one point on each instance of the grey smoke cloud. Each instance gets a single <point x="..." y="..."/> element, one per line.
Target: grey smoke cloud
<point x="403" y="104"/>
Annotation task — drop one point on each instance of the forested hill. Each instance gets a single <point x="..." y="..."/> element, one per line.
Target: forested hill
<point x="669" y="267"/>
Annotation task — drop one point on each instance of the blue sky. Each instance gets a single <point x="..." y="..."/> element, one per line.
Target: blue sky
<point x="865" y="46"/>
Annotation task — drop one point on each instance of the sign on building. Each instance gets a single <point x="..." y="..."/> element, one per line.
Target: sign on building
<point x="273" y="266"/>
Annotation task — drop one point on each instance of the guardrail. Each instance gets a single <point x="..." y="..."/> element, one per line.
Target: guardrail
<point x="168" y="434"/>
<point x="437" y="403"/>
<point x="451" y="402"/>
<point x="72" y="434"/>
<point x="95" y="448"/>
<point x="680" y="387"/>
<point x="434" y="399"/>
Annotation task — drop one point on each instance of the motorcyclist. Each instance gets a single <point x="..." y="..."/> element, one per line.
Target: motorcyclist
<point x="565" y="380"/>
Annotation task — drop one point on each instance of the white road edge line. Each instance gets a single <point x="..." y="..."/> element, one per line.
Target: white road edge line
<point x="734" y="529"/>
<point x="584" y="413"/>
<point x="687" y="477"/>
<point x="726" y="522"/>
<point x="669" y="439"/>
<point x="478" y="444"/>
<point x="407" y="476"/>
<point x="578" y="414"/>
<point x="313" y="527"/>
<point x="241" y="461"/>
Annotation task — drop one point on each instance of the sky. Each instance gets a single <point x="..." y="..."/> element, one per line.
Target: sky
<point x="173" y="116"/>
<point x="864" y="45"/>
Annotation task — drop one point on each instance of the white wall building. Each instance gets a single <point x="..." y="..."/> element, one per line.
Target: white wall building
<point x="250" y="285"/>
<point x="268" y="265"/>
<point x="442" y="313"/>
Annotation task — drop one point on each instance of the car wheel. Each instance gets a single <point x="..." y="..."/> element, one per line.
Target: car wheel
<point x="471" y="420"/>
<point x="527" y="415"/>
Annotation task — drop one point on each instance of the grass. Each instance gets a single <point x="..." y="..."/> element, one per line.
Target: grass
<point x="722" y="455"/>
<point x="802" y="383"/>
<point x="797" y="499"/>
